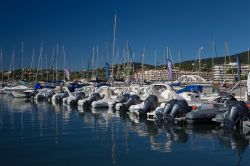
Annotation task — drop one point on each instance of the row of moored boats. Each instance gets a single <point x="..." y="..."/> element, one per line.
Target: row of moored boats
<point x="158" y="101"/>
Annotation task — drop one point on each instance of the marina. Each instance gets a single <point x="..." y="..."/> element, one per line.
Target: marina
<point x="124" y="83"/>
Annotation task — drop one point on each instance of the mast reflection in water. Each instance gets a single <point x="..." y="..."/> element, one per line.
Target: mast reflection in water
<point x="49" y="134"/>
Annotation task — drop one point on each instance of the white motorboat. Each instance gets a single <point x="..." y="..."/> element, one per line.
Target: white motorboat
<point x="18" y="91"/>
<point x="4" y="90"/>
<point x="162" y="91"/>
<point x="104" y="102"/>
<point x="78" y="96"/>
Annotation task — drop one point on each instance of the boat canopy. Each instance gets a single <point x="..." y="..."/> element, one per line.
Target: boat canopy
<point x="188" y="88"/>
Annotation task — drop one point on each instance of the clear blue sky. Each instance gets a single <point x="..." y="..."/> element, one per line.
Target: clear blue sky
<point x="154" y="24"/>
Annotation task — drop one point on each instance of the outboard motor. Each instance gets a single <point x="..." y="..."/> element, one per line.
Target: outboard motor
<point x="224" y="96"/>
<point x="237" y="112"/>
<point x="49" y="97"/>
<point x="174" y="109"/>
<point x="151" y="103"/>
<point x="180" y="108"/>
<point x="93" y="97"/>
<point x="168" y="108"/>
<point x="59" y="98"/>
<point x="124" y="98"/>
<point x="77" y="97"/>
<point x="133" y="100"/>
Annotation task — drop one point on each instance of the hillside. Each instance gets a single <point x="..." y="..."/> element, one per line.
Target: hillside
<point x="217" y="60"/>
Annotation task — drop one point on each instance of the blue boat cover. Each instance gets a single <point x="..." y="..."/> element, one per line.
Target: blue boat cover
<point x="189" y="88"/>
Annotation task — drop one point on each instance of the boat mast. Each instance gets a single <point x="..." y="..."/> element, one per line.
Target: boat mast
<point x="39" y="59"/>
<point x="113" y="49"/>
<point x="47" y="73"/>
<point x="142" y="59"/>
<point x="93" y="61"/>
<point x="200" y="50"/>
<point x="225" y="61"/>
<point x="107" y="54"/>
<point x="22" y="61"/>
<point x="13" y="67"/>
<point x="212" y="65"/>
<point x="155" y="73"/>
<point x="97" y="66"/>
<point x="2" y="63"/>
<point x="57" y="54"/>
<point x="179" y="57"/>
<point x="32" y="67"/>
<point x="53" y="66"/>
<point x="10" y="69"/>
<point x="248" y="58"/>
<point x="107" y="51"/>
<point x="64" y="62"/>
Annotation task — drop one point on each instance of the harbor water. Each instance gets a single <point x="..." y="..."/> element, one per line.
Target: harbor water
<point x="48" y="134"/>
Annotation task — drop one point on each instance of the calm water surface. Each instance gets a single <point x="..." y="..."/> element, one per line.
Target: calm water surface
<point x="47" y="134"/>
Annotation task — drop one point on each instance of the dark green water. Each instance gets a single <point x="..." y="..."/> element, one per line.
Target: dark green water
<point x="44" y="134"/>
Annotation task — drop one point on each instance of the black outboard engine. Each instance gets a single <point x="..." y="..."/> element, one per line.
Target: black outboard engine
<point x="93" y="97"/>
<point x="59" y="98"/>
<point x="180" y="108"/>
<point x="151" y="103"/>
<point x="168" y="108"/>
<point x="133" y="100"/>
<point x="238" y="111"/>
<point x="30" y="95"/>
<point x="175" y="108"/>
<point x="124" y="98"/>
<point x="78" y="96"/>
<point x="224" y="96"/>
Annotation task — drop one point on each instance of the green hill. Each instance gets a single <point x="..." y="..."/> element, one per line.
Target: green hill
<point x="207" y="63"/>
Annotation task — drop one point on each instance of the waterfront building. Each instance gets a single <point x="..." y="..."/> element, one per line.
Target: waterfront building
<point x="228" y="72"/>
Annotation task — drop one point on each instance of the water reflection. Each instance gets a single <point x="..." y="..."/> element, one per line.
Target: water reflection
<point x="54" y="122"/>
